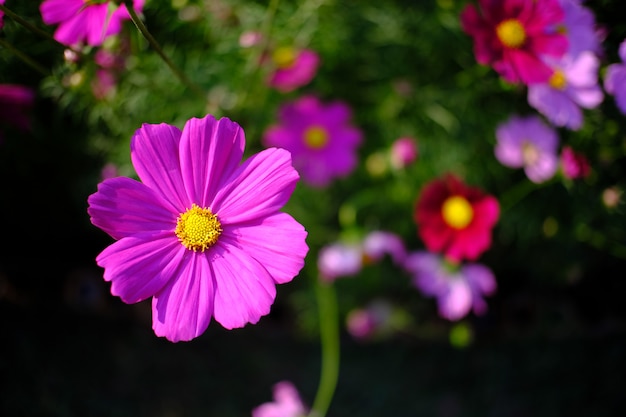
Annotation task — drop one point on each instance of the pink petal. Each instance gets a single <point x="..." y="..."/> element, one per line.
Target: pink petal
<point x="260" y="187"/>
<point x="244" y="289"/>
<point x="457" y="302"/>
<point x="140" y="266"/>
<point x="56" y="11"/>
<point x="277" y="242"/>
<point x="210" y="151"/>
<point x="154" y="153"/>
<point x="123" y="207"/>
<point x="183" y="309"/>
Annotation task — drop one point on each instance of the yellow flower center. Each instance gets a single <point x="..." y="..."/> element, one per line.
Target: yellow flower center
<point x="457" y="212"/>
<point x="315" y="137"/>
<point x="284" y="57"/>
<point x="511" y="33"/>
<point x="557" y="80"/>
<point x="530" y="154"/>
<point x="198" y="228"/>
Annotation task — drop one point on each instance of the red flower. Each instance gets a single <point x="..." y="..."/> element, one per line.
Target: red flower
<point x="456" y="219"/>
<point x="513" y="35"/>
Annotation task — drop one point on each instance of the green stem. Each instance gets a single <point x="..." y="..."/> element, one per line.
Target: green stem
<point x="32" y="27"/>
<point x="144" y="31"/>
<point x="329" y="338"/>
<point x="28" y="60"/>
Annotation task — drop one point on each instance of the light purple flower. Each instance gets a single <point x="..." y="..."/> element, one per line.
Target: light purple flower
<point x="615" y="79"/>
<point x="379" y="243"/>
<point x="80" y="21"/>
<point x="294" y="68"/>
<point x="573" y="84"/>
<point x="458" y="289"/>
<point x="287" y="403"/>
<point x="339" y="260"/>
<point x="319" y="136"/>
<point x="202" y="234"/>
<point x="580" y="28"/>
<point x="527" y="142"/>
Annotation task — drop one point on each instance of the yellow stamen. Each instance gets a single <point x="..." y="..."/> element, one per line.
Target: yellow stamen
<point x="457" y="212"/>
<point x="511" y="33"/>
<point x="284" y="57"/>
<point x="557" y="80"/>
<point x="198" y="228"/>
<point x="530" y="154"/>
<point x="315" y="137"/>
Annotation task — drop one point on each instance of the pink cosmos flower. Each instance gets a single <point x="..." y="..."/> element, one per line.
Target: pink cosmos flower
<point x="458" y="289"/>
<point x="201" y="234"/>
<point x="455" y="219"/>
<point x="320" y="138"/>
<point x="574" y="164"/>
<point x="287" y="403"/>
<point x="85" y="21"/>
<point x="615" y="79"/>
<point x="573" y="84"/>
<point x="580" y="28"/>
<point x="527" y="142"/>
<point x="294" y="68"/>
<point x="403" y="152"/>
<point x="514" y="35"/>
<point x="16" y="101"/>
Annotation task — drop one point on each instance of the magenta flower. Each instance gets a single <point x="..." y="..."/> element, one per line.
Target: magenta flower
<point x="573" y="84"/>
<point x="530" y="144"/>
<point x="294" y="68"/>
<point x="16" y="102"/>
<point x="513" y="36"/>
<point x="580" y="28"/>
<point x="574" y="164"/>
<point x="458" y="289"/>
<point x="287" y="403"/>
<point x="85" y="21"/>
<point x="202" y="234"/>
<point x="1" y="16"/>
<point x="615" y="79"/>
<point x="321" y="140"/>
<point x="375" y="319"/>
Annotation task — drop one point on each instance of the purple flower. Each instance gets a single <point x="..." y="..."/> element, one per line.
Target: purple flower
<point x="529" y="143"/>
<point x="339" y="260"/>
<point x="615" y="79"/>
<point x="573" y="83"/>
<point x="202" y="234"/>
<point x="80" y="21"/>
<point x="294" y="68"/>
<point x="321" y="140"/>
<point x="458" y="289"/>
<point x="372" y="320"/>
<point x="379" y="243"/>
<point x="16" y="101"/>
<point x="287" y="403"/>
<point x="580" y="28"/>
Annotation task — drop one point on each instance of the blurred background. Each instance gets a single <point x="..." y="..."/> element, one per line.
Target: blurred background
<point x="552" y="342"/>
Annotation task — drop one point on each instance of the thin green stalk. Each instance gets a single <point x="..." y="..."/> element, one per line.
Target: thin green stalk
<point x="144" y="31"/>
<point x="329" y="338"/>
<point x="28" y="60"/>
<point x="32" y="27"/>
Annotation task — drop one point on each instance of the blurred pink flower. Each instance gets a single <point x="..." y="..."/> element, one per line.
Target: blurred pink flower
<point x="573" y="84"/>
<point x="527" y="142"/>
<point x="574" y="164"/>
<point x="1" y="16"/>
<point x="458" y="289"/>
<point x="514" y="35"/>
<point x="250" y="38"/>
<point x="403" y="152"/>
<point x="339" y="260"/>
<point x="293" y="68"/>
<point x="16" y="102"/>
<point x="319" y="136"/>
<point x="287" y="403"/>
<point x="103" y="85"/>
<point x="369" y="321"/>
<point x="615" y="79"/>
<point x="84" y="21"/>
